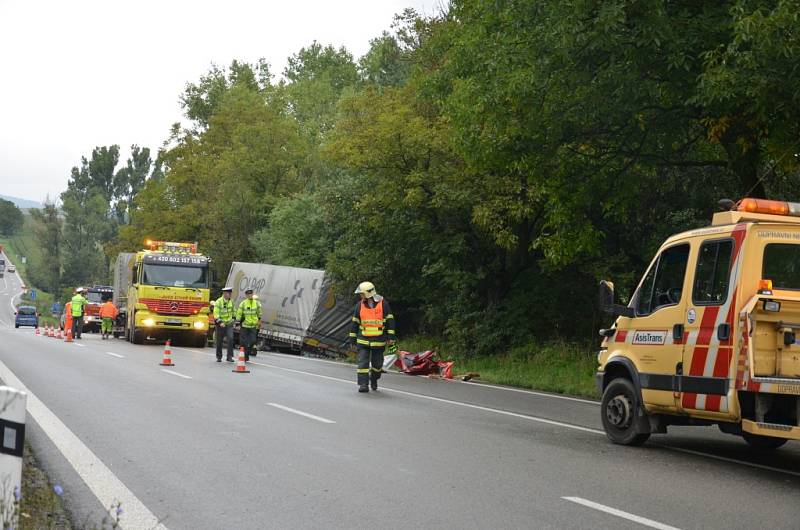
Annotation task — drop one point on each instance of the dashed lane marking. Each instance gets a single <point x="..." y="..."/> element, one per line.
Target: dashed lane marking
<point x="115" y="355"/>
<point x="175" y="373"/>
<point x="301" y="413"/>
<point x="619" y="513"/>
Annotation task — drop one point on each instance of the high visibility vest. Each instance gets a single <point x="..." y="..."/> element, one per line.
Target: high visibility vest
<point x="249" y="313"/>
<point x="223" y="309"/>
<point x="77" y="304"/>
<point x="108" y="310"/>
<point x="372" y="321"/>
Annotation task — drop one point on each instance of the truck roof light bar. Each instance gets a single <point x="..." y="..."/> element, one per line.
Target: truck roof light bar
<point x="751" y="205"/>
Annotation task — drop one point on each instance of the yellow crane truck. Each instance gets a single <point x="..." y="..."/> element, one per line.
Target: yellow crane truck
<point x="163" y="293"/>
<point x="712" y="333"/>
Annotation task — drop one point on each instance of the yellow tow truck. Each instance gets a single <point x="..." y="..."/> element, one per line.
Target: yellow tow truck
<point x="163" y="293"/>
<point x="711" y="335"/>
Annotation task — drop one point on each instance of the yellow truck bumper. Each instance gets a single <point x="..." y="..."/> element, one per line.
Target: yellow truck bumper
<point x="771" y="429"/>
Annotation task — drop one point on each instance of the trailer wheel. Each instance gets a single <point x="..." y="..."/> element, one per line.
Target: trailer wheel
<point x="618" y="413"/>
<point x="763" y="443"/>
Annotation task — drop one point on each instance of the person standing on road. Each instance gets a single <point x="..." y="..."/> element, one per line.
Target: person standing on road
<point x="224" y="317"/>
<point x="248" y="316"/>
<point x="373" y="328"/>
<point x="77" y="304"/>
<point x="108" y="312"/>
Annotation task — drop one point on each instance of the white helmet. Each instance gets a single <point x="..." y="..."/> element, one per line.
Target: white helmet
<point x="365" y="288"/>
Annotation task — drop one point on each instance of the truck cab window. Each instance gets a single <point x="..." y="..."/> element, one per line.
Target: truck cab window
<point x="713" y="273"/>
<point x="663" y="283"/>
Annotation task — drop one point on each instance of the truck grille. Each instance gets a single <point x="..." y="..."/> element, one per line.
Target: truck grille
<point x="173" y="307"/>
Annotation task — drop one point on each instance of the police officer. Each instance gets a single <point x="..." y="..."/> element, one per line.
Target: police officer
<point x="373" y="327"/>
<point x="248" y="316"/>
<point x="224" y="318"/>
<point x="77" y="304"/>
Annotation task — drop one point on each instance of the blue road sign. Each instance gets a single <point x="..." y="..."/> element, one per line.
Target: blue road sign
<point x="33" y="294"/>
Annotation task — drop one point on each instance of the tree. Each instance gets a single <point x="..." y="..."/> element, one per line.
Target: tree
<point x="48" y="233"/>
<point x="202" y="99"/>
<point x="129" y="180"/>
<point x="11" y="218"/>
<point x="297" y="234"/>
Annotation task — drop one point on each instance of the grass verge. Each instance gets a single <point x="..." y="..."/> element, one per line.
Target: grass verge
<point x="559" y="367"/>
<point x="40" y="507"/>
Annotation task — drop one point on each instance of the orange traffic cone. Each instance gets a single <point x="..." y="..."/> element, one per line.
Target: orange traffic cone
<point x="167" y="356"/>
<point x="37" y="330"/>
<point x="68" y="337"/>
<point x="48" y="332"/>
<point x="240" y="367"/>
<point x="58" y="335"/>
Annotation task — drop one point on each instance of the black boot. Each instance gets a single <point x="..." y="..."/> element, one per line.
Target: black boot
<point x="374" y="384"/>
<point x="363" y="388"/>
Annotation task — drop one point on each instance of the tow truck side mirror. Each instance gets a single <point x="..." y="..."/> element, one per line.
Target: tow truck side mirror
<point x="607" y="305"/>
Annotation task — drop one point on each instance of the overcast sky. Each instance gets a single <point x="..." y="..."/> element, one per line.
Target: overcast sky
<point x="78" y="74"/>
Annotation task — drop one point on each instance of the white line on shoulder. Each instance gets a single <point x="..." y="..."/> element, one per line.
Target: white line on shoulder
<point x="101" y="481"/>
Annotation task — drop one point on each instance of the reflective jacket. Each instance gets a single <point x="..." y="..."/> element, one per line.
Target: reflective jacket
<point x="223" y="310"/>
<point x="76" y="304"/>
<point x="249" y="313"/>
<point x="373" y="326"/>
<point x="108" y="310"/>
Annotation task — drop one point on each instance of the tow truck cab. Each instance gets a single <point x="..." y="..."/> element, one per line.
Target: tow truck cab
<point x="712" y="333"/>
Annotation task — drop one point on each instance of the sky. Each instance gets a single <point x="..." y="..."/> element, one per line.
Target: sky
<point x="80" y="74"/>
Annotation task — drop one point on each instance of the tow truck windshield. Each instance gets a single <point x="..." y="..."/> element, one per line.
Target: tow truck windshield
<point x="782" y="265"/>
<point x="175" y="276"/>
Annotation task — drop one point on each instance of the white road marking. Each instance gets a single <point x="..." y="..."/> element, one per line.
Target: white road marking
<point x="175" y="373"/>
<point x="449" y="401"/>
<point x="301" y="413"/>
<point x="115" y="355"/>
<point x="104" y="484"/>
<point x="77" y="344"/>
<point x="619" y="513"/>
<point x="470" y="383"/>
<point x="187" y="349"/>
<point x="534" y="418"/>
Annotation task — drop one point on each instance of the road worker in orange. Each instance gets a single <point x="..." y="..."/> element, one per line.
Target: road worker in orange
<point x="372" y="330"/>
<point x="108" y="312"/>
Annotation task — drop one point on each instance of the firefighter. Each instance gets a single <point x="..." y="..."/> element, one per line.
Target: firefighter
<point x="224" y="316"/>
<point x="248" y="316"/>
<point x="108" y="312"/>
<point x="77" y="305"/>
<point x="373" y="328"/>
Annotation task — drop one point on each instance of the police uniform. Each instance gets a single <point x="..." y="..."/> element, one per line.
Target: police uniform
<point x="224" y="318"/>
<point x="248" y="315"/>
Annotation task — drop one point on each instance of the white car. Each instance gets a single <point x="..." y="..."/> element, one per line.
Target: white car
<point x="11" y="268"/>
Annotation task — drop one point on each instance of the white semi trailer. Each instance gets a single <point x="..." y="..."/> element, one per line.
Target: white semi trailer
<point x="301" y="310"/>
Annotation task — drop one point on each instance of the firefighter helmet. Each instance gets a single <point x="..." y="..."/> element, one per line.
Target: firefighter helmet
<point x="366" y="288"/>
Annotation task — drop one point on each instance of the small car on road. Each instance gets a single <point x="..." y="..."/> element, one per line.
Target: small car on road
<point x="11" y="268"/>
<point x="26" y="315"/>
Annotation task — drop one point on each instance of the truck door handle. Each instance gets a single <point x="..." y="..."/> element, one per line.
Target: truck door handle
<point x="677" y="333"/>
<point x="724" y="331"/>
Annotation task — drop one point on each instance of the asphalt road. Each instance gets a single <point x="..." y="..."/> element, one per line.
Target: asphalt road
<point x="293" y="445"/>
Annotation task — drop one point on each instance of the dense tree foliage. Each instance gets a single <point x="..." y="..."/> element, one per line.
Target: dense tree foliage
<point x="484" y="166"/>
<point x="11" y="218"/>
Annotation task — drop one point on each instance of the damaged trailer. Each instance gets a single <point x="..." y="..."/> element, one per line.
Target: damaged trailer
<point x="301" y="311"/>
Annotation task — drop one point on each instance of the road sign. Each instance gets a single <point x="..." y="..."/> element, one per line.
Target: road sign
<point x="24" y="260"/>
<point x="33" y="294"/>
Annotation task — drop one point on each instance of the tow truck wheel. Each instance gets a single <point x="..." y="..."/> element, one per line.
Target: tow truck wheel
<point x="763" y="443"/>
<point x="618" y="413"/>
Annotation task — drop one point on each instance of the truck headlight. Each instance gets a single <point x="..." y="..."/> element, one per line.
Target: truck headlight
<point x="199" y="325"/>
<point x="149" y="322"/>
